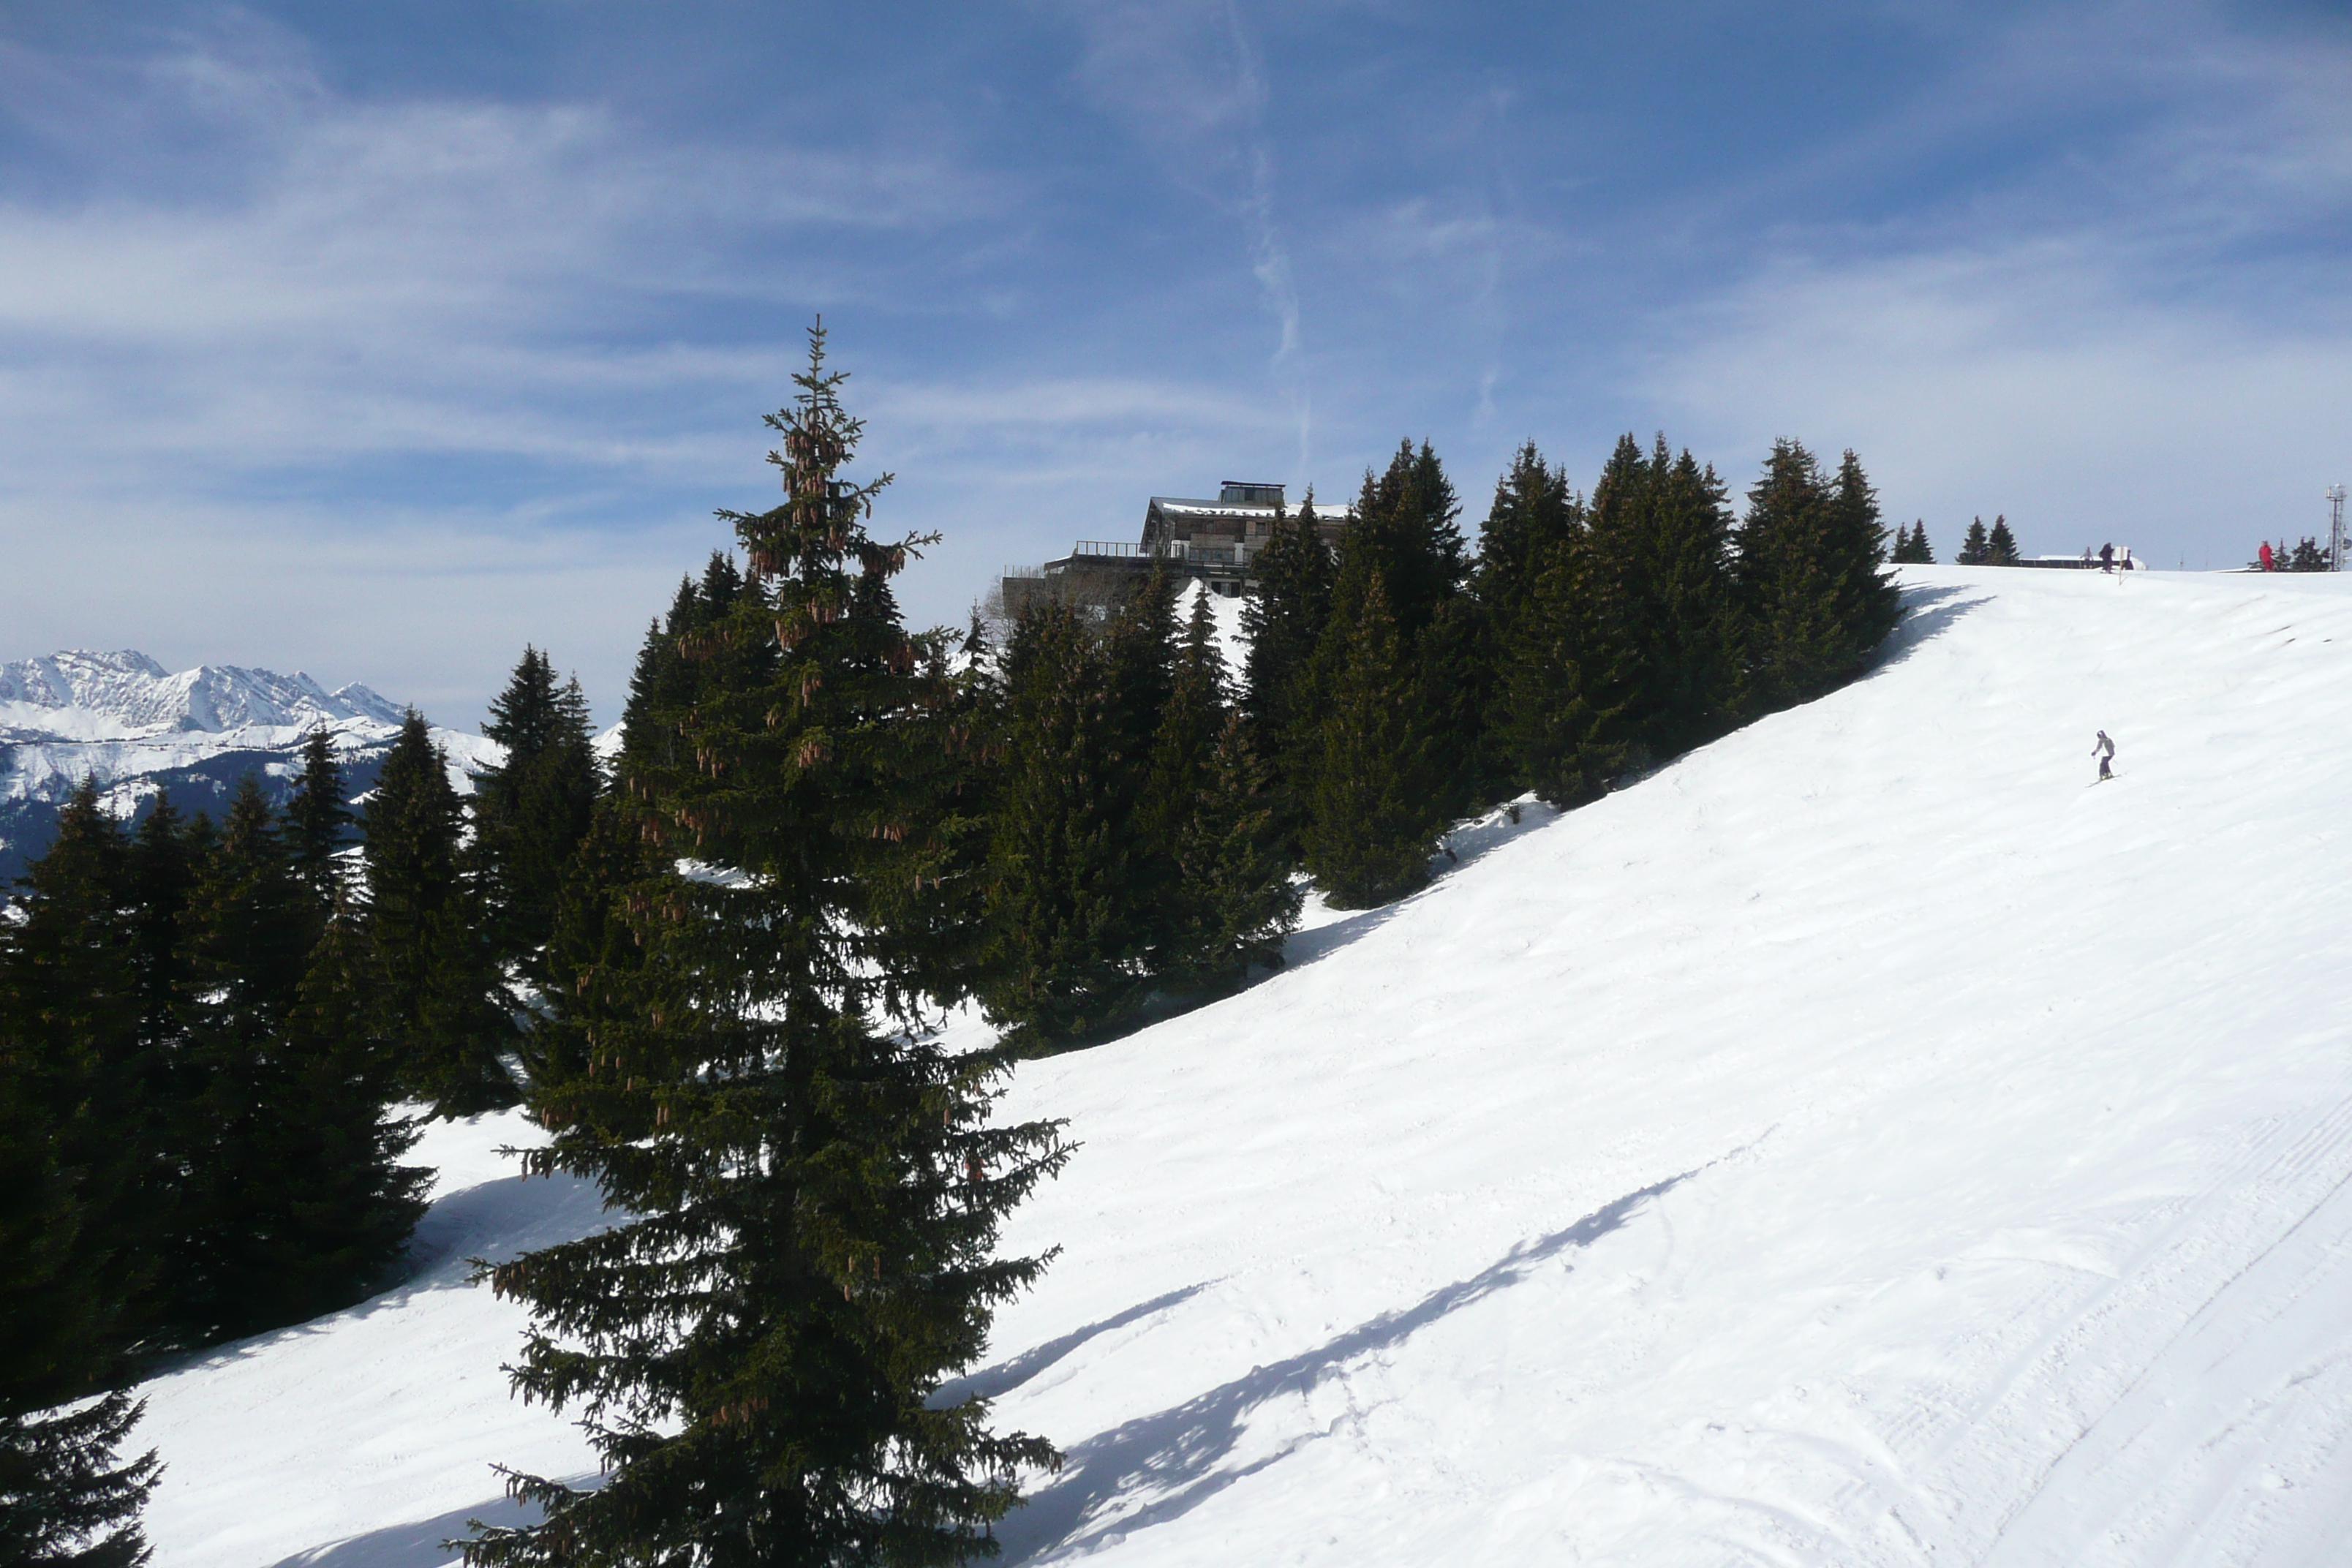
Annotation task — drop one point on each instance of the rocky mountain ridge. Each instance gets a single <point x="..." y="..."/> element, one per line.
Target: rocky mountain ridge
<point x="145" y="732"/>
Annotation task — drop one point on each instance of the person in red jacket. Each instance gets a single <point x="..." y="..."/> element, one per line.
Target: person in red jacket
<point x="2266" y="556"/>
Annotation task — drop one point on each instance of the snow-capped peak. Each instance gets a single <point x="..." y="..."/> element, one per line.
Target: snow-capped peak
<point x="139" y="731"/>
<point x="85" y="696"/>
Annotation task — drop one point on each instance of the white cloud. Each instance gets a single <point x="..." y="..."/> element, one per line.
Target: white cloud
<point x="433" y="275"/>
<point x="255" y="288"/>
<point x="2031" y="379"/>
<point x="2131" y="340"/>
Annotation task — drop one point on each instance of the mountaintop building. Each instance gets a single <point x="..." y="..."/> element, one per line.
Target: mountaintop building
<point x="1212" y="542"/>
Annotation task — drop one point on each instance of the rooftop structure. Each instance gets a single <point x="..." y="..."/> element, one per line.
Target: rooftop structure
<point x="1211" y="541"/>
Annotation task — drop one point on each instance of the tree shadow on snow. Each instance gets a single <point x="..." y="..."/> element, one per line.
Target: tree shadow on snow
<point x="1303" y="947"/>
<point x="990" y="1382"/>
<point x="1177" y="1454"/>
<point x="496" y="1220"/>
<point x="1465" y="843"/>
<point x="418" y="1544"/>
<point x="1927" y="614"/>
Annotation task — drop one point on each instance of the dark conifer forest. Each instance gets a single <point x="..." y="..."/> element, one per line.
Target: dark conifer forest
<point x="715" y="969"/>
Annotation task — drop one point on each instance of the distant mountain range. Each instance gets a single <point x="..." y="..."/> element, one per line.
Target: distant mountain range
<point x="145" y="731"/>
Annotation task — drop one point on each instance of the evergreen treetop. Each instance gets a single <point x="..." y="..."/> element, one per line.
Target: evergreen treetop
<point x="2001" y="544"/>
<point x="317" y="821"/>
<point x="1787" y="589"/>
<point x="532" y="809"/>
<point x="1406" y="535"/>
<point x="1976" y="547"/>
<point x="1535" y="512"/>
<point x="1288" y="604"/>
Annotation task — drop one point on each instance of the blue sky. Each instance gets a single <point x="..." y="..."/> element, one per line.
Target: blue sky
<point x="376" y="340"/>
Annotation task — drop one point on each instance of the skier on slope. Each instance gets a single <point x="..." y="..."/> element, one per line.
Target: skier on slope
<point x="2104" y="749"/>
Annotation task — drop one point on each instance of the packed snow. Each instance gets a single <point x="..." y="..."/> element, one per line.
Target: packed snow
<point x="1865" y="1141"/>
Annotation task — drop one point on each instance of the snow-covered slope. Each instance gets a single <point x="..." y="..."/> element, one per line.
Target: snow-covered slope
<point x="1864" y="1141"/>
<point x="142" y="731"/>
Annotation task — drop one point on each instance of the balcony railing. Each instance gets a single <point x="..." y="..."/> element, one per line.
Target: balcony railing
<point x="1175" y="550"/>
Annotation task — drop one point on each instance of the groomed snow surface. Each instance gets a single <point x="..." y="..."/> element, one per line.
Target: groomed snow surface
<point x="1863" y="1141"/>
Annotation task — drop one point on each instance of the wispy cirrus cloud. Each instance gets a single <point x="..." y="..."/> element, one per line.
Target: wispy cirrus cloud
<point x="426" y="276"/>
<point x="2137" y="337"/>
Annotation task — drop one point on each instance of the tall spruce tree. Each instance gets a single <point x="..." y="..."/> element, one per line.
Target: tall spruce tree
<point x="2001" y="544"/>
<point x="532" y="809"/>
<point x="1208" y="815"/>
<point x="1070" y="931"/>
<point x="1788" y="599"/>
<point x="1242" y="860"/>
<point x="435" y="997"/>
<point x="1169" y="804"/>
<point x="1660" y="573"/>
<point x="293" y="1203"/>
<point x="1868" y="601"/>
<point x="81" y="1180"/>
<point x="1398" y="660"/>
<point x="87" y="970"/>
<point x="814" y="1193"/>
<point x="1565" y="689"/>
<point x="1290" y="605"/>
<point x="1373" y="816"/>
<point x="1574" y="705"/>
<point x="1817" y="604"/>
<point x="1534" y="515"/>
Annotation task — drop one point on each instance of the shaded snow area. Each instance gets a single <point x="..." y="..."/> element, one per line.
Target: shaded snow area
<point x="1863" y="1141"/>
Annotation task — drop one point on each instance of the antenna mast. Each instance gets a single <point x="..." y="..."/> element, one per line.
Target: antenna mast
<point x="2335" y="528"/>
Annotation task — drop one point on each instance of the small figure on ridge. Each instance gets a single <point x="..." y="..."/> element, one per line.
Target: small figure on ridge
<point x="2104" y="749"/>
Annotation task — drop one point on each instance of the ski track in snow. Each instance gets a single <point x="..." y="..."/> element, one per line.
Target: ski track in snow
<point x="1860" y="1142"/>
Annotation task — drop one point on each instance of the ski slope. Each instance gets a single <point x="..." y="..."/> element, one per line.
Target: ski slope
<point x="1863" y="1141"/>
